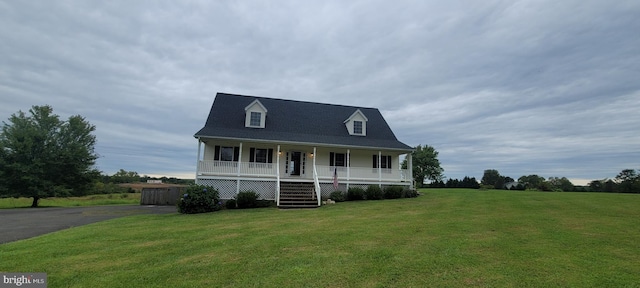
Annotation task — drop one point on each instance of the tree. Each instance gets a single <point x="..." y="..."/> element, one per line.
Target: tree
<point x="628" y="181"/>
<point x="490" y="177"/>
<point x="610" y="186"/>
<point x="597" y="185"/>
<point x="425" y="164"/>
<point x="470" y="182"/>
<point x="500" y="183"/>
<point x="452" y="183"/>
<point x="124" y="176"/>
<point x="531" y="181"/>
<point x="42" y="156"/>
<point x="563" y="184"/>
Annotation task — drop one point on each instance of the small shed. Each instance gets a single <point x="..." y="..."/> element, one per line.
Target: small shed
<point x="168" y="195"/>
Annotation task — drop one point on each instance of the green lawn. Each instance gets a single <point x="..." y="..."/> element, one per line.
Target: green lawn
<point x="91" y="200"/>
<point x="444" y="238"/>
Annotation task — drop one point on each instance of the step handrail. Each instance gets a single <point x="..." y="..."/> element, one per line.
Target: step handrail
<point x="316" y="184"/>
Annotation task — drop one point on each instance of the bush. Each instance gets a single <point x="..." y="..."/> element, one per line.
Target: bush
<point x="199" y="199"/>
<point x="264" y="203"/>
<point x="410" y="193"/>
<point x="393" y="192"/>
<point x="374" y="192"/>
<point x="230" y="204"/>
<point x="247" y="199"/>
<point x="337" y="196"/>
<point x="355" y="193"/>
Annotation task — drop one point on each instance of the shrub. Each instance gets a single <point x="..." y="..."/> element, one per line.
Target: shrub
<point x="393" y="192"/>
<point x="374" y="192"/>
<point x="355" y="193"/>
<point x="337" y="196"/>
<point x="199" y="199"/>
<point x="230" y="204"/>
<point x="409" y="193"/>
<point x="264" y="203"/>
<point x="247" y="199"/>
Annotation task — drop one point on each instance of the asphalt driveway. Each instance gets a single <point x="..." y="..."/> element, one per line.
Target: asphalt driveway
<point x="23" y="223"/>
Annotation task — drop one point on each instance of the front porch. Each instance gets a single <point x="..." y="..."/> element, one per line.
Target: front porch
<point x="232" y="167"/>
<point x="324" y="172"/>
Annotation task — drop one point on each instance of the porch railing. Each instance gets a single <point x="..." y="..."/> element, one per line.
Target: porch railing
<point x="316" y="183"/>
<point x="231" y="168"/>
<point x="323" y="172"/>
<point x="362" y="173"/>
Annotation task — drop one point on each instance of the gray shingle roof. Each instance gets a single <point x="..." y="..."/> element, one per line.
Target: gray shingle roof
<point x="290" y="121"/>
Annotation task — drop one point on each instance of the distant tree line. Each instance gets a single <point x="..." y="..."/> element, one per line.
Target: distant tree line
<point x="627" y="181"/>
<point x="466" y="182"/>
<point x="108" y="184"/>
<point x="123" y="176"/>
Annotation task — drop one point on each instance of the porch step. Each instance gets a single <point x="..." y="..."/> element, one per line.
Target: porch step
<point x="297" y="195"/>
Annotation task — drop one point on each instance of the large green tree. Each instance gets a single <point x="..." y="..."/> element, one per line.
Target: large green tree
<point x="42" y="156"/>
<point x="425" y="164"/>
<point x="491" y="177"/>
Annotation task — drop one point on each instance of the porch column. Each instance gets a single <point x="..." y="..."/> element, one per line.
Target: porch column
<point x="198" y="159"/>
<point x="380" y="168"/>
<point x="410" y="166"/>
<point x="348" y="168"/>
<point x="278" y="175"/>
<point x="318" y="194"/>
<point x="239" y="167"/>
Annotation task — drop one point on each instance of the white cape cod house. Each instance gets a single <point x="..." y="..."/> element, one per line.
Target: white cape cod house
<point x="296" y="152"/>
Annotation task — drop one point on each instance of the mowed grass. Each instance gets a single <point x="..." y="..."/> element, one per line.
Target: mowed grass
<point x="90" y="200"/>
<point x="444" y="238"/>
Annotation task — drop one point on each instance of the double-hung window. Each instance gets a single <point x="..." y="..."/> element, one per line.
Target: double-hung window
<point x="357" y="127"/>
<point x="260" y="155"/>
<point x="226" y="153"/>
<point x="385" y="161"/>
<point x="338" y="160"/>
<point x="255" y="120"/>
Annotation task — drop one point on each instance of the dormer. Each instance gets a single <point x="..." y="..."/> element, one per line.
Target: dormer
<point x="357" y="124"/>
<point x="255" y="115"/>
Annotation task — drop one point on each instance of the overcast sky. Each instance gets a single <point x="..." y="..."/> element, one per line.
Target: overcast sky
<point x="525" y="87"/>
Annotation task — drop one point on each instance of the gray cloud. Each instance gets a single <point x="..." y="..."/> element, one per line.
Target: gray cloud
<point x="523" y="87"/>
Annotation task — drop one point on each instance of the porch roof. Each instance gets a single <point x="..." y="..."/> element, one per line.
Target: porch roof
<point x="293" y="121"/>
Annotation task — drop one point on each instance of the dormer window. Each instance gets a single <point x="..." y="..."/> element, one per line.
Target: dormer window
<point x="256" y="119"/>
<point x="357" y="127"/>
<point x="357" y="124"/>
<point x="255" y="115"/>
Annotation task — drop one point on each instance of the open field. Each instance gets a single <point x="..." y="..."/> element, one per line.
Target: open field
<point x="444" y="238"/>
<point x="91" y="200"/>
